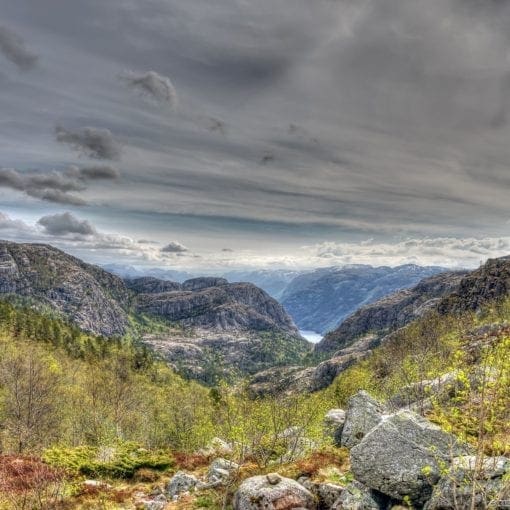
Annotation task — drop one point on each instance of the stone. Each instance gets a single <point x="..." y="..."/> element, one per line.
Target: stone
<point x="221" y="470"/>
<point x="181" y="482"/>
<point x="363" y="414"/>
<point x="334" y="425"/>
<point x="356" y="496"/>
<point x="402" y="456"/>
<point x="272" y="492"/>
<point x="326" y="493"/>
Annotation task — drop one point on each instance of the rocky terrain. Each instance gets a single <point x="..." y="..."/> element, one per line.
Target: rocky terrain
<point x="94" y="299"/>
<point x="320" y="300"/>
<point x="213" y="325"/>
<point x="392" y="312"/>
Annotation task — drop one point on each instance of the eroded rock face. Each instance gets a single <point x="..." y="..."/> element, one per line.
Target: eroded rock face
<point x="203" y="282"/>
<point x="236" y="306"/>
<point x="272" y="492"/>
<point x="151" y="285"/>
<point x="363" y="414"/>
<point x="93" y="298"/>
<point x="402" y="456"/>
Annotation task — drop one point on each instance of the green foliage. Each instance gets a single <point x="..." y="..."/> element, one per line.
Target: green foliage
<point x="121" y="460"/>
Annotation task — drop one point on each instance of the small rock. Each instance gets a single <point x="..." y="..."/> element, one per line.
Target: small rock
<point x="181" y="482"/>
<point x="97" y="484"/>
<point x="221" y="470"/>
<point x="356" y="496"/>
<point x="334" y="424"/>
<point x="273" y="478"/>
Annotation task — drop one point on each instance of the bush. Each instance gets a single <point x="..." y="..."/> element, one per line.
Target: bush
<point x="119" y="461"/>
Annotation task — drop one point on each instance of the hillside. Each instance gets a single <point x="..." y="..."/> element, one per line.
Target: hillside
<point x="237" y="318"/>
<point x="322" y="299"/>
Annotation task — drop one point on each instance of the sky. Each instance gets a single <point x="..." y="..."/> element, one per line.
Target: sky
<point x="207" y="135"/>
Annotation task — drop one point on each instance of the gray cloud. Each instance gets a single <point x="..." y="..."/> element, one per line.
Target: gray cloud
<point x="174" y="247"/>
<point x="64" y="224"/>
<point x="13" y="48"/>
<point x="97" y="143"/>
<point x="51" y="186"/>
<point x="98" y="172"/>
<point x="153" y="85"/>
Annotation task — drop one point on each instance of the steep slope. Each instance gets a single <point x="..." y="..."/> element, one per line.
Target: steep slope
<point x="391" y="312"/>
<point x="320" y="300"/>
<point x="94" y="299"/>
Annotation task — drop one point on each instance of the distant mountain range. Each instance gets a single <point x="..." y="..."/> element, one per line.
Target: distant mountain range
<point x="320" y="300"/>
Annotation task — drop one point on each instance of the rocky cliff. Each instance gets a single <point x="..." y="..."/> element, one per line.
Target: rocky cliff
<point x="392" y="312"/>
<point x="320" y="300"/>
<point x="91" y="297"/>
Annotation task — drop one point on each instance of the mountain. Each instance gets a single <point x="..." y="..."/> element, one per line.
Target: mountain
<point x="131" y="272"/>
<point x="237" y="324"/>
<point x="273" y="281"/>
<point x="391" y="312"/>
<point x="94" y="299"/>
<point x="320" y="300"/>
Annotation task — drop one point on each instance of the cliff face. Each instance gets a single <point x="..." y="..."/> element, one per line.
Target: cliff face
<point x="392" y="312"/>
<point x="235" y="306"/>
<point x="320" y="300"/>
<point x="94" y="299"/>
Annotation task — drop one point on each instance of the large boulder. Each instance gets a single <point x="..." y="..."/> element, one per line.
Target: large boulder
<point x="403" y="455"/>
<point x="473" y="482"/>
<point x="357" y="496"/>
<point x="363" y="414"/>
<point x="272" y="492"/>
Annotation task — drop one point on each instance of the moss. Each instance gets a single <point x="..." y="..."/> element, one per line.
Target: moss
<point x="121" y="460"/>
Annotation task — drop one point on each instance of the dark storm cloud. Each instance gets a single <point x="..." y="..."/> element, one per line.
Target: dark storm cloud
<point x="174" y="247"/>
<point x="64" y="224"/>
<point x="153" y="85"/>
<point x="13" y="47"/>
<point x="97" y="143"/>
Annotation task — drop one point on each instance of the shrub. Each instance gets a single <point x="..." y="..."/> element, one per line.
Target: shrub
<point x="119" y="461"/>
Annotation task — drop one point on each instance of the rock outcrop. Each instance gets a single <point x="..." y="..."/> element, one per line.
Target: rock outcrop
<point x="89" y="296"/>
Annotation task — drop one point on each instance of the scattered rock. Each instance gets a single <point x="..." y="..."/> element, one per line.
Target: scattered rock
<point x="181" y="482"/>
<point x="356" y="496"/>
<point x="96" y="484"/>
<point x="363" y="414"/>
<point x="272" y="492"/>
<point x="401" y="456"/>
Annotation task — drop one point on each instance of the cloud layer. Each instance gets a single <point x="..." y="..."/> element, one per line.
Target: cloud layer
<point x="299" y="123"/>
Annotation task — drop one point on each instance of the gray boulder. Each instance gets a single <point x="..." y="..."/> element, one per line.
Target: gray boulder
<point x="334" y="425"/>
<point x="272" y="492"/>
<point x="473" y="480"/>
<point x="402" y="456"/>
<point x="181" y="482"/>
<point x="221" y="470"/>
<point x="358" y="497"/>
<point x="326" y="493"/>
<point x="363" y="414"/>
